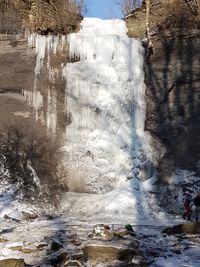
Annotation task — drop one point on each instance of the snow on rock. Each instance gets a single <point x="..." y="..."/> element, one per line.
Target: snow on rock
<point x="105" y="99"/>
<point x="172" y="194"/>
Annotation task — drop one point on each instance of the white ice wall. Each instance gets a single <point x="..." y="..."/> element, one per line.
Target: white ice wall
<point x="105" y="98"/>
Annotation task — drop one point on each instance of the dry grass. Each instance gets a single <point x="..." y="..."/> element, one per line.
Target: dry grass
<point x="55" y="16"/>
<point x="180" y="13"/>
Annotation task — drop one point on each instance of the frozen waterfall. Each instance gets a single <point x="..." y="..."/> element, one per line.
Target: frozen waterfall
<point x="104" y="105"/>
<point x="105" y="100"/>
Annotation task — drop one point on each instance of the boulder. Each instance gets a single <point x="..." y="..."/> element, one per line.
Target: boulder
<point x="109" y="251"/>
<point x="56" y="245"/>
<point x="73" y="263"/>
<point x="3" y="240"/>
<point x="12" y="263"/>
<point x="189" y="228"/>
<point x="57" y="257"/>
<point x="17" y="215"/>
<point x="75" y="240"/>
<point x="138" y="260"/>
<point x="76" y="256"/>
<point x="28" y="215"/>
<point x="101" y="232"/>
<point x="41" y="246"/>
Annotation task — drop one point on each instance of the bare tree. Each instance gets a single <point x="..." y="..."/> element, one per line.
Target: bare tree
<point x="128" y="6"/>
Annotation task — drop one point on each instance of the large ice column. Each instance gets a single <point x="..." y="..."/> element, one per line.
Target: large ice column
<point x="105" y="98"/>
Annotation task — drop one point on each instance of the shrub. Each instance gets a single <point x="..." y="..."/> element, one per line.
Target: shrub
<point x="56" y="16"/>
<point x="31" y="159"/>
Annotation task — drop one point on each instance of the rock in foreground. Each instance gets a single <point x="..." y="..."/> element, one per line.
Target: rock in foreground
<point x="189" y="228"/>
<point x="12" y="263"/>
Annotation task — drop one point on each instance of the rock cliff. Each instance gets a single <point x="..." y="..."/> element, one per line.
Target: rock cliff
<point x="25" y="95"/>
<point x="55" y="16"/>
<point x="173" y="80"/>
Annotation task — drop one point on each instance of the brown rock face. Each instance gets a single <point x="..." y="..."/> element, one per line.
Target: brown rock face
<point x="55" y="16"/>
<point x="23" y="93"/>
<point x="136" y="23"/>
<point x="109" y="252"/>
<point x="190" y="228"/>
<point x="173" y="82"/>
<point x="12" y="263"/>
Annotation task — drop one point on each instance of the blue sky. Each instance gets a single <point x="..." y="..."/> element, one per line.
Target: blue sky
<point x="106" y="9"/>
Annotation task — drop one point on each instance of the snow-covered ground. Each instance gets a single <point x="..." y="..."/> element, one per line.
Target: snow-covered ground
<point x="77" y="215"/>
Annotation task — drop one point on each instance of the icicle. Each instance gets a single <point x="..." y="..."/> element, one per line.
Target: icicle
<point x="52" y="110"/>
<point x="44" y="46"/>
<point x="63" y="40"/>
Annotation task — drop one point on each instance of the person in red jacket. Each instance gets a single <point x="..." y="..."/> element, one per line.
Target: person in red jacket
<point x="187" y="206"/>
<point x="196" y="202"/>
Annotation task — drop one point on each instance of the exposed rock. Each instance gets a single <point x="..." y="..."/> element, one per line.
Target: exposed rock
<point x="136" y="22"/>
<point x="111" y="251"/>
<point x="17" y="98"/>
<point x="73" y="263"/>
<point x="11" y="217"/>
<point x="18" y="216"/>
<point x="54" y="16"/>
<point x="23" y="249"/>
<point x="79" y="256"/>
<point x="3" y="240"/>
<point x="57" y="257"/>
<point x="75" y="240"/>
<point x="101" y="232"/>
<point x="12" y="263"/>
<point x="173" y="81"/>
<point x="190" y="228"/>
<point x="41" y="246"/>
<point x="56" y="245"/>
<point x="122" y="233"/>
<point x="28" y="215"/>
<point x="138" y="260"/>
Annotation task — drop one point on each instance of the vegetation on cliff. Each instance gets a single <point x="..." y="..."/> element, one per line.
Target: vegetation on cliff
<point x="55" y="16"/>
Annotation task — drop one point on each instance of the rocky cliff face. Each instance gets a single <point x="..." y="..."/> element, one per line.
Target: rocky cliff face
<point x="55" y="16"/>
<point x="17" y="70"/>
<point x="28" y="102"/>
<point x="173" y="82"/>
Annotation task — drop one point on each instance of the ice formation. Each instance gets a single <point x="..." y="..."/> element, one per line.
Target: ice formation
<point x="52" y="110"/>
<point x="105" y="98"/>
<point x="104" y="103"/>
<point x="44" y="47"/>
